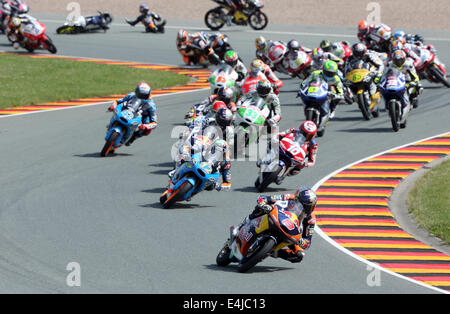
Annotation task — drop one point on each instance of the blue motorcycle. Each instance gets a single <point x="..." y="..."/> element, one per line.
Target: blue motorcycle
<point x="193" y="177"/>
<point x="86" y="24"/>
<point x="393" y="89"/>
<point x="125" y="121"/>
<point x="315" y="96"/>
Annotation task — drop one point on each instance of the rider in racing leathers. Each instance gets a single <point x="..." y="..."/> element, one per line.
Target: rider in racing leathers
<point x="307" y="200"/>
<point x="148" y="107"/>
<point x="145" y="13"/>
<point x="375" y="37"/>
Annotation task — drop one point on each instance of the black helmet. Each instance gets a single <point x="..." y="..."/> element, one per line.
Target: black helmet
<point x="263" y="88"/>
<point x="224" y="117"/>
<point x="225" y="94"/>
<point x="308" y="198"/>
<point x="359" y="50"/>
<point x="325" y="45"/>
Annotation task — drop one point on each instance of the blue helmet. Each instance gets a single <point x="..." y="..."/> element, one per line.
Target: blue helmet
<point x="308" y="198"/>
<point x="399" y="33"/>
<point x="143" y="8"/>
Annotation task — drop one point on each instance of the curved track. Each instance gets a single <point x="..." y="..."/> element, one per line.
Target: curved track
<point x="61" y="203"/>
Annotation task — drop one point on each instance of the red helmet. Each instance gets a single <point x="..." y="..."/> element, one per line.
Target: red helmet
<point x="308" y="129"/>
<point x="363" y="27"/>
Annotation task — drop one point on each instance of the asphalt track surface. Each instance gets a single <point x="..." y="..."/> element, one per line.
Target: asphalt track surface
<point x="61" y="203"/>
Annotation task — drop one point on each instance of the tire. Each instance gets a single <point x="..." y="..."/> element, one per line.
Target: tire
<point x="269" y="179"/>
<point x="438" y="75"/>
<point x="394" y="115"/>
<point x="178" y="195"/>
<point x="214" y="15"/>
<point x="363" y="107"/>
<point x="259" y="16"/>
<point x="223" y="258"/>
<point x="246" y="264"/>
<point x="109" y="145"/>
<point x="50" y="46"/>
<point x="321" y="133"/>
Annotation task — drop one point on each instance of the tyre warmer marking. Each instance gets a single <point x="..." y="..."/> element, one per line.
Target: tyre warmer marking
<point x="353" y="210"/>
<point x="198" y="81"/>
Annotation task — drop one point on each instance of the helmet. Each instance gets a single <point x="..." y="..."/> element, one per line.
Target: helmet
<point x="359" y="50"/>
<point x="143" y="8"/>
<point x="293" y="45"/>
<point x="16" y="23"/>
<point x="263" y="88"/>
<point x="231" y="58"/>
<point x="256" y="67"/>
<point x="182" y="36"/>
<point x="330" y="69"/>
<point x="143" y="91"/>
<point x="224" y="117"/>
<point x="399" y="33"/>
<point x="325" y="45"/>
<point x="308" y="129"/>
<point x="308" y="198"/>
<point x="363" y="27"/>
<point x="261" y="43"/>
<point x="225" y="94"/>
<point x="418" y="38"/>
<point x="399" y="58"/>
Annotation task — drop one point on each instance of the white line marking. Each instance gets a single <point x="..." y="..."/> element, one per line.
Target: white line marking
<point x="346" y="251"/>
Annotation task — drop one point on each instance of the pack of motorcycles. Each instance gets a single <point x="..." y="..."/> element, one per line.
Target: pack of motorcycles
<point x="258" y="238"/>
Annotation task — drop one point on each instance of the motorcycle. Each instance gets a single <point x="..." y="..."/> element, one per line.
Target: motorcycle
<point x="86" y="24"/>
<point x="276" y="54"/>
<point x="431" y="68"/>
<point x="358" y="78"/>
<point x="250" y="118"/>
<point x="34" y="31"/>
<point x="125" y="121"/>
<point x="253" y="15"/>
<point x="265" y="235"/>
<point x="314" y="96"/>
<point x="393" y="88"/>
<point x="223" y="75"/>
<point x="299" y="65"/>
<point x="275" y="167"/>
<point x="193" y="177"/>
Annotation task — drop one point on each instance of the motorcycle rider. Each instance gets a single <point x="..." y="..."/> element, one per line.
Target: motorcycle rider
<point x="360" y="52"/>
<point x="232" y="59"/>
<point x="306" y="199"/>
<point x="270" y="75"/>
<point x="145" y="13"/>
<point x="401" y="62"/>
<point x="214" y="149"/>
<point x="196" y="48"/>
<point x="335" y="87"/>
<point x="261" y="49"/>
<point x="148" y="107"/>
<point x="375" y="37"/>
<point x="15" y="34"/>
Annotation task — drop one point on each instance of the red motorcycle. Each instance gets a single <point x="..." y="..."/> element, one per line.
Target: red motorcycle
<point x="431" y="68"/>
<point x="35" y="37"/>
<point x="293" y="150"/>
<point x="276" y="53"/>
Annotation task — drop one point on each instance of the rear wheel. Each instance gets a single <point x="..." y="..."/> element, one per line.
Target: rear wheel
<point x="256" y="257"/>
<point x="177" y="195"/>
<point x="109" y="145"/>
<point x="213" y="19"/>
<point x="258" y="20"/>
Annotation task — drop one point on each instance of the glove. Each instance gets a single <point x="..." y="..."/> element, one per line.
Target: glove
<point x="376" y="80"/>
<point x="112" y="107"/>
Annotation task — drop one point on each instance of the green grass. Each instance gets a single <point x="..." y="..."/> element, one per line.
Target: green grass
<point x="429" y="201"/>
<point x="30" y="81"/>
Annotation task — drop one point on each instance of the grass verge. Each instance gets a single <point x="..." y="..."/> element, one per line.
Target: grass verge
<point x="31" y="81"/>
<point x="429" y="201"/>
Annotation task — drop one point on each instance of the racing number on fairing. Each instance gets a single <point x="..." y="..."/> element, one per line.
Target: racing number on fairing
<point x="293" y="148"/>
<point x="251" y="114"/>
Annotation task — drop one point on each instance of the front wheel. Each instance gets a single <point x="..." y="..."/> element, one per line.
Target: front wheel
<point x="50" y="46"/>
<point x="269" y="178"/>
<point x="177" y="195"/>
<point x="363" y="106"/>
<point x="213" y="19"/>
<point x="223" y="258"/>
<point x="258" y="20"/>
<point x="256" y="257"/>
<point x="394" y="113"/>
<point x="109" y="145"/>
<point x="439" y="76"/>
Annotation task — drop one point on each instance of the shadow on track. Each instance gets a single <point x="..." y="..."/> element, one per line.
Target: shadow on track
<point x="257" y="269"/>
<point x="252" y="189"/>
<point x="367" y="130"/>
<point x="97" y="155"/>
<point x="177" y="206"/>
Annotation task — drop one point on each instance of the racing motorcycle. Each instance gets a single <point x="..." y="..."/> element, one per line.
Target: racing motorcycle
<point x="314" y="96"/>
<point x="34" y="31"/>
<point x="125" y="121"/>
<point x="393" y="88"/>
<point x="223" y="75"/>
<point x="250" y="118"/>
<point x="86" y="24"/>
<point x="253" y="15"/>
<point x="192" y="177"/>
<point x="431" y="68"/>
<point x="263" y="236"/>
<point x="359" y="80"/>
<point x="299" y="65"/>
<point x="288" y="162"/>
<point x="276" y="54"/>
